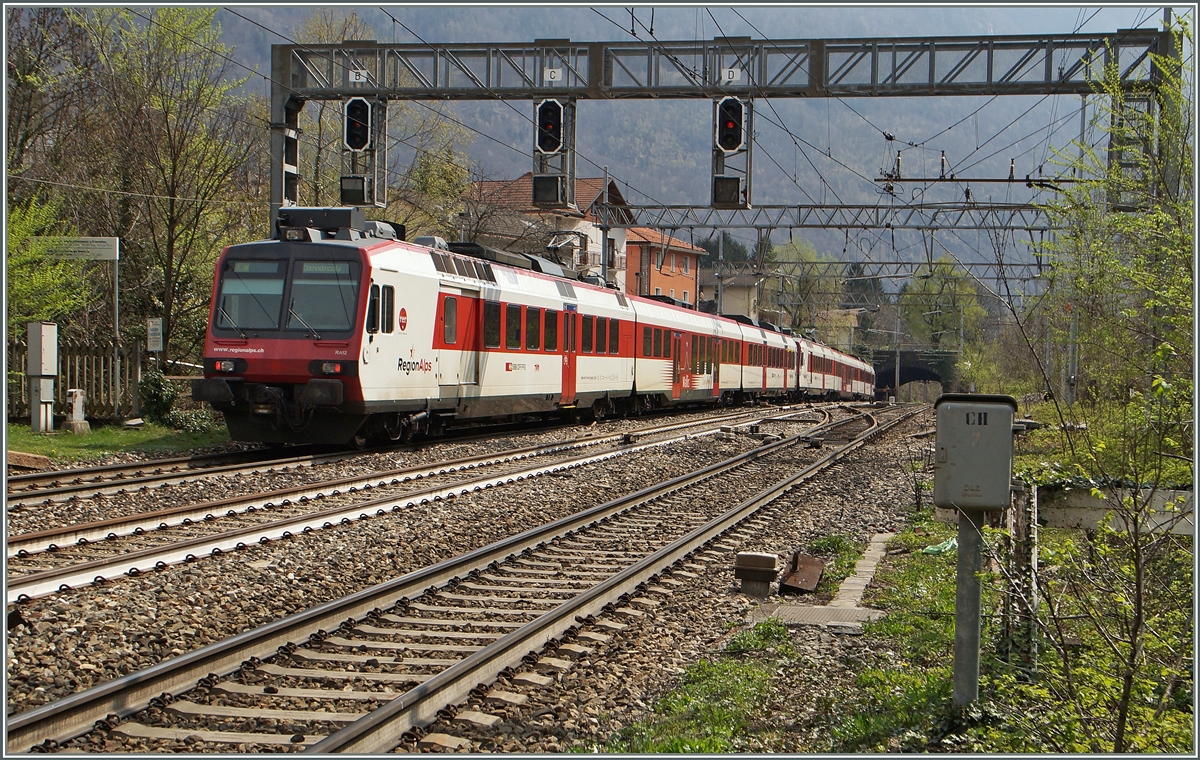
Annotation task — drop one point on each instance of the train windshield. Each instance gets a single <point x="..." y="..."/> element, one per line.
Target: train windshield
<point x="251" y="295"/>
<point x="324" y="295"/>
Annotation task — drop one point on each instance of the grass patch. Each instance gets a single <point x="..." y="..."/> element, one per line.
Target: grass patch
<point x="716" y="702"/>
<point x="906" y="703"/>
<point x="841" y="554"/>
<point x="106" y="440"/>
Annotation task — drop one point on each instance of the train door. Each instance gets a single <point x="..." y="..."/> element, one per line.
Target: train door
<point x="458" y="329"/>
<point x="718" y="349"/>
<point x="677" y="363"/>
<point x="763" y="364"/>
<point x="569" y="317"/>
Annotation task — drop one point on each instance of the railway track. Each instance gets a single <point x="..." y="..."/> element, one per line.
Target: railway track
<point x="119" y="479"/>
<point x="375" y="667"/>
<point x="46" y="562"/>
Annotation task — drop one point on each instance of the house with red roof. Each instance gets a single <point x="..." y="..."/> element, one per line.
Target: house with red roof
<point x="501" y="214"/>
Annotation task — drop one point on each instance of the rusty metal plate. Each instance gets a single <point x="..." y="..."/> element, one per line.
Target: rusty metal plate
<point x="803" y="576"/>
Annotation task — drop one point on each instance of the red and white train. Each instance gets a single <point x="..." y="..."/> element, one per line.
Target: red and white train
<point x="335" y="331"/>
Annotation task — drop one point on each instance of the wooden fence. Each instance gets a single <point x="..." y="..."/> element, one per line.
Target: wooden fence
<point x="87" y="366"/>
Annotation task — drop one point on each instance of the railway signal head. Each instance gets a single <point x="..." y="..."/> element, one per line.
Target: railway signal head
<point x="549" y="126"/>
<point x="357" y="125"/>
<point x="731" y="132"/>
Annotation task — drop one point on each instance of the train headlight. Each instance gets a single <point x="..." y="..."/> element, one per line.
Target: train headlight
<point x="226" y="365"/>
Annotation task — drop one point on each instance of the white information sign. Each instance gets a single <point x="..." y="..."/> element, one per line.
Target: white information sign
<point x="90" y="248"/>
<point x="154" y="338"/>
<point x="729" y="76"/>
<point x="552" y="75"/>
<point x="359" y="76"/>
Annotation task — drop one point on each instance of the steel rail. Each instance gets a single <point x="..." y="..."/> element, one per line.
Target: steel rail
<point x="84" y="533"/>
<point x="73" y="715"/>
<point x="379" y="731"/>
<point x="23" y="588"/>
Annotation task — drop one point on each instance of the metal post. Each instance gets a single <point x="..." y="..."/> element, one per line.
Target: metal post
<point x="897" y="388"/>
<point x="720" y="267"/>
<point x="604" y="234"/>
<point x="967" y="603"/>
<point x="116" y="369"/>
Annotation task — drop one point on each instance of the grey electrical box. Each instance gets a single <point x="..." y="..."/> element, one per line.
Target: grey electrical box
<point x="43" y="349"/>
<point x="972" y="466"/>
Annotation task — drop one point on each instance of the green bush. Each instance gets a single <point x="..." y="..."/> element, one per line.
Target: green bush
<point x="158" y="396"/>
<point x="197" y="421"/>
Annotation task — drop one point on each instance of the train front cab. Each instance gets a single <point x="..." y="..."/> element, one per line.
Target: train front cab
<point x="281" y="354"/>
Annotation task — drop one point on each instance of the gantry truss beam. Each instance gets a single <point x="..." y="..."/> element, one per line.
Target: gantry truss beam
<point x="913" y="216"/>
<point x="886" y="271"/>
<point x="994" y="65"/>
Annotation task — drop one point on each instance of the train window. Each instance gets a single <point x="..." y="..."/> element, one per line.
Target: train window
<point x="251" y="295"/>
<point x="389" y="309"/>
<point x="587" y="333"/>
<point x="487" y="271"/>
<point x="667" y="341"/>
<point x="372" y="311"/>
<point x="551" y="330"/>
<point x="601" y="334"/>
<point x="512" y="326"/>
<point x="657" y="342"/>
<point x="441" y="263"/>
<point x="695" y="355"/>
<point x="491" y="324"/>
<point x="645" y="341"/>
<point x="450" y="320"/>
<point x="463" y="268"/>
<point x="324" y="297"/>
<point x="533" y="328"/>
<point x="565" y="289"/>
<point x="614" y="335"/>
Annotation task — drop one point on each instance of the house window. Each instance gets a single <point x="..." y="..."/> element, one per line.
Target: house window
<point x="685" y="294"/>
<point x="658" y="291"/>
<point x="672" y="292"/>
<point x="686" y="265"/>
<point x="673" y="267"/>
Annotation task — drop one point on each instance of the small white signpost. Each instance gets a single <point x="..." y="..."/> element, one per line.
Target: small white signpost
<point x="154" y="337"/>
<point x="97" y="249"/>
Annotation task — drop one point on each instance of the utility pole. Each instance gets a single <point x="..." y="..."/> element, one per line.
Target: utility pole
<point x="720" y="266"/>
<point x="604" y="234"/>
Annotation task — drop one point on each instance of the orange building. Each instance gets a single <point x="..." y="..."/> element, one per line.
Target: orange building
<point x="658" y="264"/>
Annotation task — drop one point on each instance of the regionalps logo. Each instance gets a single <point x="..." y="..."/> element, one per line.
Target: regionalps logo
<point x="409" y="367"/>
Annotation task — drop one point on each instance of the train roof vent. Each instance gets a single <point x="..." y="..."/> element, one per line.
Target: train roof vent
<point x="740" y="318"/>
<point x="491" y="254"/>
